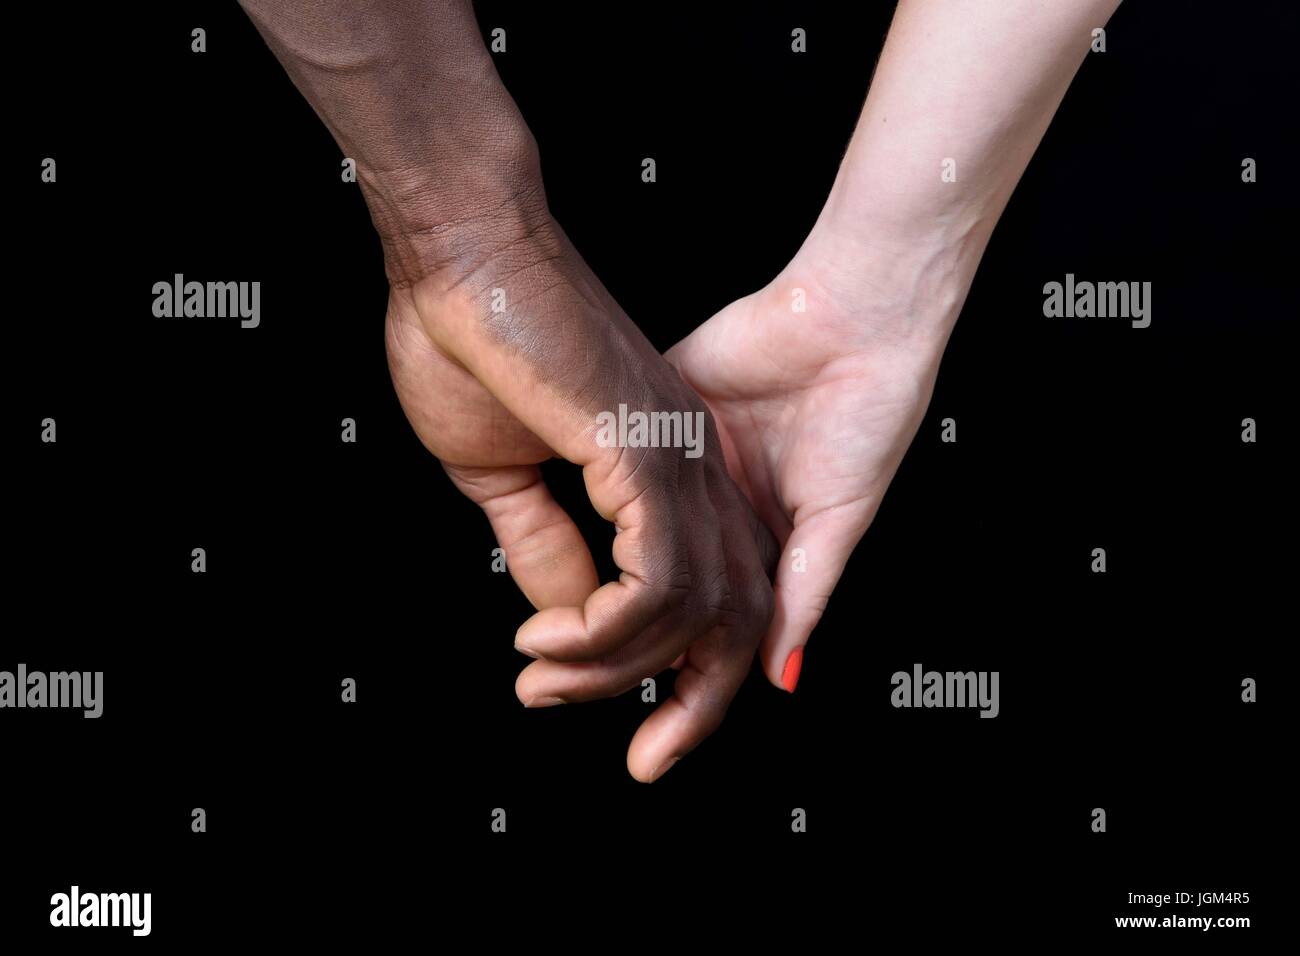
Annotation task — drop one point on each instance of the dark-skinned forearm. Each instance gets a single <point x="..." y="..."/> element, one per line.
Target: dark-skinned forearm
<point x="445" y="160"/>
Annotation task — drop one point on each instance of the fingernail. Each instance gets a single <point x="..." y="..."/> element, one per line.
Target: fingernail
<point x="662" y="769"/>
<point x="543" y="702"/>
<point x="793" y="664"/>
<point x="528" y="652"/>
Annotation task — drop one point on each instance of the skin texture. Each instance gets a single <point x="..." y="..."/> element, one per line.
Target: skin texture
<point x="490" y="395"/>
<point x="817" y="408"/>
<point x="811" y="411"/>
<point x="504" y="349"/>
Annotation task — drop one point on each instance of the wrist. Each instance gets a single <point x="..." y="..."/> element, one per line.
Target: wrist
<point x="447" y="215"/>
<point x="477" y="273"/>
<point x="904" y="281"/>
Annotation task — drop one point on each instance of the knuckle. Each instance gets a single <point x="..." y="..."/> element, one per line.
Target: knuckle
<point x="760" y="602"/>
<point x="715" y="601"/>
<point x="668" y="589"/>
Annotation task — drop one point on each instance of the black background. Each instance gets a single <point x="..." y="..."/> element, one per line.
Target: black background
<point x="331" y="823"/>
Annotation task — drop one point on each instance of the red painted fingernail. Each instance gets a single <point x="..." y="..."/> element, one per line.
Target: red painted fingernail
<point x="793" y="664"/>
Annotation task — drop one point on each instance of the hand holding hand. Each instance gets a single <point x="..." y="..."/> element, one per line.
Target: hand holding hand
<point x="818" y="383"/>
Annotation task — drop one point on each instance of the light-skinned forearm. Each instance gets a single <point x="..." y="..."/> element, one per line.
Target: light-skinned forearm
<point x="964" y="88"/>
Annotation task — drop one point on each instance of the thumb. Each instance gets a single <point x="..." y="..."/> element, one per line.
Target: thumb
<point x="811" y="564"/>
<point x="544" y="550"/>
